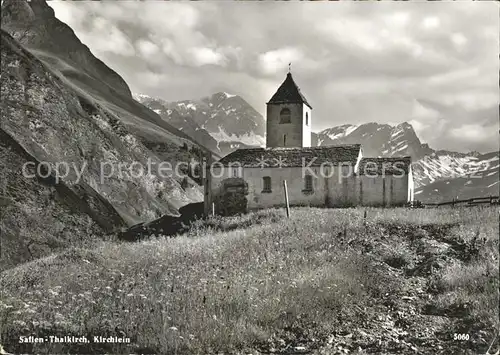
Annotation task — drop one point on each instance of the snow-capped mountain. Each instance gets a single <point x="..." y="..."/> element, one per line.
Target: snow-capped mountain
<point x="437" y="173"/>
<point x="183" y="123"/>
<point x="377" y="139"/>
<point x="228" y="118"/>
<point x="479" y="177"/>
<point x="442" y="164"/>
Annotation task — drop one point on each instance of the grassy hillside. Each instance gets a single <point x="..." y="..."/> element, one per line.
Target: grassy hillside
<point x="323" y="281"/>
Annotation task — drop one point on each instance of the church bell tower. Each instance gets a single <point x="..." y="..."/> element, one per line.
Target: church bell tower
<point x="288" y="117"/>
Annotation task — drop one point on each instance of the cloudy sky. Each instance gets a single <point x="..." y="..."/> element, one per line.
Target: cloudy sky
<point x="433" y="64"/>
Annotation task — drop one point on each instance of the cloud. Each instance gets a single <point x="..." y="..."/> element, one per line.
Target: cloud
<point x="430" y="22"/>
<point x="275" y="61"/>
<point x="109" y="38"/>
<point x="146" y="48"/>
<point x="398" y="19"/>
<point x="459" y="40"/>
<point x="423" y="112"/>
<point x="433" y="64"/>
<point x="204" y="56"/>
<point x="471" y="100"/>
<point x="474" y="136"/>
<point x="418" y="126"/>
<point x="151" y="80"/>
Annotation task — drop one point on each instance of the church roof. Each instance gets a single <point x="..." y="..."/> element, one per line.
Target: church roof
<point x="288" y="93"/>
<point x="387" y="166"/>
<point x="293" y="157"/>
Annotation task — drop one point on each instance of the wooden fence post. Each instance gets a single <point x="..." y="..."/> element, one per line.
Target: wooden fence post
<point x="206" y="163"/>
<point x="213" y="209"/>
<point x="286" y="200"/>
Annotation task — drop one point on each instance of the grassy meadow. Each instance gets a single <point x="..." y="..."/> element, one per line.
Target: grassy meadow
<point x="325" y="281"/>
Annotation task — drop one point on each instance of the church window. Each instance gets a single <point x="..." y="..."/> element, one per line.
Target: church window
<point x="284" y="140"/>
<point x="307" y="118"/>
<point x="308" y="183"/>
<point x="285" y="115"/>
<point x="267" y="184"/>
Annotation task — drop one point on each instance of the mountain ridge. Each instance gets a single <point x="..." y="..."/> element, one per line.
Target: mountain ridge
<point x="228" y="119"/>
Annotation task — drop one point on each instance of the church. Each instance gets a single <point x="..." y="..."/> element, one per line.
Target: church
<point x="325" y="176"/>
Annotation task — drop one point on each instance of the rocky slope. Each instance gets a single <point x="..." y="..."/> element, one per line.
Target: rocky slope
<point x="34" y="25"/>
<point x="40" y="216"/>
<point x="227" y="118"/>
<point x="65" y="109"/>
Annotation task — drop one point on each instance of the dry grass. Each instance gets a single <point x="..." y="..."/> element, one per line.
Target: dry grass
<point x="262" y="282"/>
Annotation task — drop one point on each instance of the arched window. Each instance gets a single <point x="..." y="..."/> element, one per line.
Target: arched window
<point x="266" y="180"/>
<point x="307" y="118"/>
<point x="308" y="183"/>
<point x="285" y="115"/>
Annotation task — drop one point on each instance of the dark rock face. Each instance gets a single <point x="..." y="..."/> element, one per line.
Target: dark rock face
<point x="61" y="106"/>
<point x="40" y="215"/>
<point x="192" y="211"/>
<point x="166" y="225"/>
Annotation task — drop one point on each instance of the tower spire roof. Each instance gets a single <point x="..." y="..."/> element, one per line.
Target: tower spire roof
<point x="288" y="92"/>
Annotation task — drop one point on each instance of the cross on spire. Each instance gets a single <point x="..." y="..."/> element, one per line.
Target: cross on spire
<point x="289" y="67"/>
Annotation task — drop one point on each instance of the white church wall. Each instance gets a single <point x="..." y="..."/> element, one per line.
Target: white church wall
<point x="306" y="126"/>
<point x="383" y="191"/>
<point x="329" y="188"/>
<point x="295" y="184"/>
<point x="399" y="190"/>
<point x="370" y="191"/>
<point x="411" y="185"/>
<point x="342" y="187"/>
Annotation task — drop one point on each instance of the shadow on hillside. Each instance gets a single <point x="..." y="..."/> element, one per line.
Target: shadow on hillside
<point x="193" y="223"/>
<point x="165" y="225"/>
